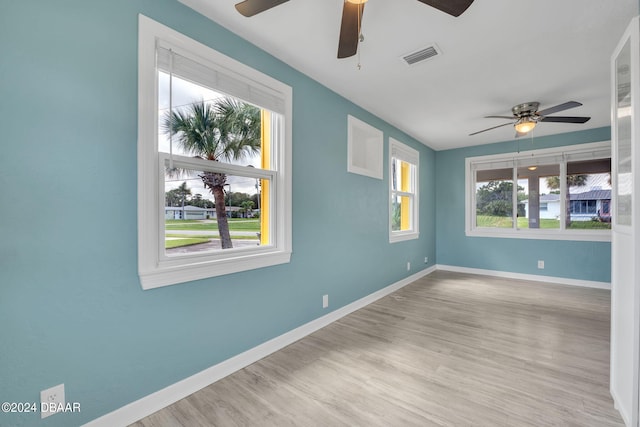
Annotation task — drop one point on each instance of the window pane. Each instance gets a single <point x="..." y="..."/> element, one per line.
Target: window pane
<point x="589" y="194"/>
<point x="494" y="198"/>
<point x="207" y="124"/>
<point x="624" y="126"/>
<point x="194" y="203"/>
<point x="402" y="179"/>
<point x="395" y="213"/>
<point x="539" y="196"/>
<point x="401" y="208"/>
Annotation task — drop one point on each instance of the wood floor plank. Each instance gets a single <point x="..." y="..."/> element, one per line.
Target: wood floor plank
<point x="450" y="349"/>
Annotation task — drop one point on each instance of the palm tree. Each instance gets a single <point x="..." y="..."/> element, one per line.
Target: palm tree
<point x="553" y="182"/>
<point x="225" y="130"/>
<point x="247" y="207"/>
<point x="183" y="191"/>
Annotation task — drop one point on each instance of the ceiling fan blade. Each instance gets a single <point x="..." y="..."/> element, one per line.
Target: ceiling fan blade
<point x="565" y="119"/>
<point x="253" y="7"/>
<point x="500" y="117"/>
<point x="452" y="7"/>
<point x="495" y="127"/>
<point x="560" y="107"/>
<point x="350" y="29"/>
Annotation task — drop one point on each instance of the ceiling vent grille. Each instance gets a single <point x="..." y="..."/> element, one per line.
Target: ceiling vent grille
<point x="421" y="55"/>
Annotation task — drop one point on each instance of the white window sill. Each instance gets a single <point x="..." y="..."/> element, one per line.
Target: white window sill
<point x="542" y="234"/>
<point x="186" y="272"/>
<point x="403" y="236"/>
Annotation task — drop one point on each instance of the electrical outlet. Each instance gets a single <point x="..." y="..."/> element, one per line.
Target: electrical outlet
<point x="51" y="400"/>
<point x="541" y="264"/>
<point x="408" y="266"/>
<point x="426" y="260"/>
<point x="325" y="301"/>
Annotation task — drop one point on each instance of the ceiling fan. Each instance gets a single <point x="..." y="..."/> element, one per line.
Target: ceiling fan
<point x="351" y="17"/>
<point x="526" y="116"/>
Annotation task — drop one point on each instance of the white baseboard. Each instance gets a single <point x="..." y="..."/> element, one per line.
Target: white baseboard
<point x="520" y="276"/>
<point x="141" y="408"/>
<point x="620" y="408"/>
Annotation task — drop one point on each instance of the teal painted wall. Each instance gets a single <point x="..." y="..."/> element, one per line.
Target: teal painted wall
<point x="71" y="307"/>
<point x="567" y="259"/>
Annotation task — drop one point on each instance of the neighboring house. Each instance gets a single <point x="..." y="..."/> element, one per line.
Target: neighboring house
<point x="591" y="204"/>
<point x="549" y="206"/>
<point x="194" y="212"/>
<point x="188" y="212"/>
<point x="583" y="206"/>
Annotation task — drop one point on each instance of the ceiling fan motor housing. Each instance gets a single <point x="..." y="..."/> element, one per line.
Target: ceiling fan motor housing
<point x="527" y="109"/>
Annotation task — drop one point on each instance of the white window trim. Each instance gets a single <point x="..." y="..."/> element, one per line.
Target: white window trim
<point x="153" y="268"/>
<point x="408" y="154"/>
<point x="515" y="233"/>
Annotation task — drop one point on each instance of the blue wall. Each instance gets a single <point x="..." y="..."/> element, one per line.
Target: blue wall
<point x="567" y="259"/>
<point x="71" y="307"/>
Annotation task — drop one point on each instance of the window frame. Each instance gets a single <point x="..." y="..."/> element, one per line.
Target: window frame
<point x="155" y="269"/>
<point x="407" y="154"/>
<point x="559" y="155"/>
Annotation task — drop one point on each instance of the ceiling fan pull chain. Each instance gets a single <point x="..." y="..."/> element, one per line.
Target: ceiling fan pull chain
<point x="360" y="38"/>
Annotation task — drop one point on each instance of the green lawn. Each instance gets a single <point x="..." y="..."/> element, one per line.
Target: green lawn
<point x="593" y="225"/>
<point x="244" y="224"/>
<point x="494" y="221"/>
<point x="235" y="224"/>
<point x="544" y="223"/>
<point x="506" y="222"/>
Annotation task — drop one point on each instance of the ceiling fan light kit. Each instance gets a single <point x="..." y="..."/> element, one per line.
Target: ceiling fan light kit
<point x="525" y="125"/>
<point x="352" y="11"/>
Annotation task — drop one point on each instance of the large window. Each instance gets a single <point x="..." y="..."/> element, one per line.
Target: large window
<point x="214" y="162"/>
<point x="403" y="185"/>
<point x="561" y="193"/>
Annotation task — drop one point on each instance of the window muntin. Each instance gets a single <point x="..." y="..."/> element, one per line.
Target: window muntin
<point x="403" y="198"/>
<point x="541" y="207"/>
<point x="176" y="72"/>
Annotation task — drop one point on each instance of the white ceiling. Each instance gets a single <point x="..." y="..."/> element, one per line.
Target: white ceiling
<point x="497" y="54"/>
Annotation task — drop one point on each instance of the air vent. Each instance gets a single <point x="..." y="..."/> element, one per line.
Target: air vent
<point x="421" y="55"/>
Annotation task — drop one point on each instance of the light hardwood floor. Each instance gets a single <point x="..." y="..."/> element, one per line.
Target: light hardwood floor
<point x="448" y="350"/>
